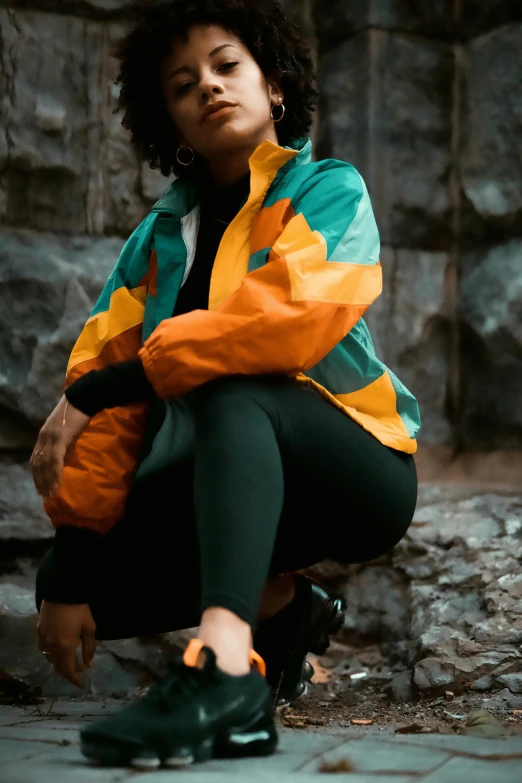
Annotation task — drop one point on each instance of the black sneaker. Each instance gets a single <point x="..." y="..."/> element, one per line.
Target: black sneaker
<point x="191" y="715"/>
<point x="303" y="626"/>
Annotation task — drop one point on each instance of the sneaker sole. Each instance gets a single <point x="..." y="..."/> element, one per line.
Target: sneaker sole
<point x="256" y="738"/>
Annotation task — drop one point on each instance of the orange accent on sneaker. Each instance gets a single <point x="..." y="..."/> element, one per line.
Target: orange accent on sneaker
<point x="191" y="654"/>
<point x="258" y="662"/>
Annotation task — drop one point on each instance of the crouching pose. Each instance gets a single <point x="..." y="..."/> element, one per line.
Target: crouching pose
<point x="226" y="422"/>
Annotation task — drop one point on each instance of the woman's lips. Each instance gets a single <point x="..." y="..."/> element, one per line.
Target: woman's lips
<point x="220" y="112"/>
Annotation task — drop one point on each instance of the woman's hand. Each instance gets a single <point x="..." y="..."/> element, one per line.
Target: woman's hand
<point x="60" y="628"/>
<point x="59" y="432"/>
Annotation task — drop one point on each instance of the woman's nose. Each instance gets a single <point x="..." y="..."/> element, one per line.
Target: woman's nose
<point x="211" y="86"/>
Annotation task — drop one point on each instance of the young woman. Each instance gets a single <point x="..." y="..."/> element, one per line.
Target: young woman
<point x="226" y="422"/>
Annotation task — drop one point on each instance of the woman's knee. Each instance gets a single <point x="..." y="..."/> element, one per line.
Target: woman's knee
<point x="228" y="392"/>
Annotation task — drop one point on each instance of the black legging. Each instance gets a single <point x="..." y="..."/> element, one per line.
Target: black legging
<point x="280" y="480"/>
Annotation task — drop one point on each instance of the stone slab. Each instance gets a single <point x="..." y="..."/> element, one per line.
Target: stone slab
<point x="21" y="514"/>
<point x="30" y="752"/>
<point x="463" y="744"/>
<point x="48" y="284"/>
<point x="479" y="16"/>
<point x="65" y="766"/>
<point x="260" y="777"/>
<point x="491" y="312"/>
<point x="464" y="770"/>
<point x="69" y="165"/>
<point x="410" y="328"/>
<point x="396" y="131"/>
<point x="340" y="19"/>
<point x="14" y="751"/>
<point x="490" y="167"/>
<point x="378" y="756"/>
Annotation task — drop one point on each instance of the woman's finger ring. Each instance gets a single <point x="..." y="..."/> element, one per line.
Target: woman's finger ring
<point x="39" y="454"/>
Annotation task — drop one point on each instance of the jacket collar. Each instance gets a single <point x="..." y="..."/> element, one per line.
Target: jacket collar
<point x="268" y="158"/>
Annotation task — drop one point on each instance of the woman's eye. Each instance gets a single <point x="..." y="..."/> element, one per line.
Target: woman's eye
<point x="183" y="88"/>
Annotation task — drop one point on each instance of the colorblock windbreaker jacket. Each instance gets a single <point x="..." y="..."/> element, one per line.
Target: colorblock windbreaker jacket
<point x="295" y="271"/>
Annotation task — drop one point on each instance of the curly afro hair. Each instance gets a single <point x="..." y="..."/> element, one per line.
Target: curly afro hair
<point x="272" y="39"/>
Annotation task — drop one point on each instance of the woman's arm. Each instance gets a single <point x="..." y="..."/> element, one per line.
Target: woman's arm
<point x="322" y="274"/>
<point x="99" y="467"/>
<point x="118" y="384"/>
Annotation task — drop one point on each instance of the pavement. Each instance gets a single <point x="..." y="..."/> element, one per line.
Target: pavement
<point x="40" y="744"/>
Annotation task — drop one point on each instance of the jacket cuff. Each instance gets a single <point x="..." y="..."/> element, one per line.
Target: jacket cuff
<point x="70" y="578"/>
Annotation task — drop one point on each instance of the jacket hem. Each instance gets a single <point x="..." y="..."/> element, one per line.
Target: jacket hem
<point x="394" y="441"/>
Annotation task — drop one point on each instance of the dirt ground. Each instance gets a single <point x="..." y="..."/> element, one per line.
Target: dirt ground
<point x="351" y="686"/>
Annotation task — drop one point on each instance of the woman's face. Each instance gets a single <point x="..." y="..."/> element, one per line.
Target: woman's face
<point x="214" y="65"/>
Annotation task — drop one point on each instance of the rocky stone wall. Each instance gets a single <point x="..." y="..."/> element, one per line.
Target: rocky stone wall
<point x="425" y="99"/>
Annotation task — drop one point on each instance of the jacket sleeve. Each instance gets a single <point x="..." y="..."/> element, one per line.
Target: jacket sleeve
<point x="99" y="468"/>
<point x="322" y="274"/>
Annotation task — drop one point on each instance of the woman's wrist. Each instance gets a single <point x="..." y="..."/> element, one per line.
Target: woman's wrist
<point x="73" y="565"/>
<point x="117" y="384"/>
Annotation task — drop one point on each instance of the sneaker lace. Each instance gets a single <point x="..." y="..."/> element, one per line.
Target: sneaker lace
<point x="177" y="687"/>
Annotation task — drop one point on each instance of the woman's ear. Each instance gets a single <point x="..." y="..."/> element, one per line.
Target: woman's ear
<point x="274" y="91"/>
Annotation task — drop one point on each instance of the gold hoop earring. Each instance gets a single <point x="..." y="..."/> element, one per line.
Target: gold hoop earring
<point x="182" y="163"/>
<point x="275" y="106"/>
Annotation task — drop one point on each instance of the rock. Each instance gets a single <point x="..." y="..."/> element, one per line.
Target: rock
<point x="491" y="307"/>
<point x="490" y="170"/>
<point x="121" y="667"/>
<point x="432" y="607"/>
<point x="411" y="332"/>
<point x="503" y="701"/>
<point x="69" y="166"/>
<point x="400" y="689"/>
<point x="444" y="652"/>
<point x="61" y="278"/>
<point x="21" y="512"/>
<point x="499" y="629"/>
<point x="339" y="20"/>
<point x="512" y="681"/>
<point x="16" y="434"/>
<point x="478" y="16"/>
<point x="378" y="604"/>
<point x="483" y="683"/>
<point x="456" y="611"/>
<point x="476" y="519"/>
<point x="153" y="183"/>
<point x="128" y="196"/>
<point x="92" y="8"/>
<point x="433" y="675"/>
<point x="396" y="131"/>
<point x="47" y="174"/>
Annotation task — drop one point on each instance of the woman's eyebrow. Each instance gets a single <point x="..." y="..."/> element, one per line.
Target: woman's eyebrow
<point x="185" y="68"/>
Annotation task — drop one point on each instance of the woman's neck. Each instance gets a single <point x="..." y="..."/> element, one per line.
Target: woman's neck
<point x="228" y="169"/>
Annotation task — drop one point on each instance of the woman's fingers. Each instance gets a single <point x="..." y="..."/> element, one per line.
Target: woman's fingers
<point x="56" y="465"/>
<point x="60" y="431"/>
<point x="88" y="645"/>
<point x="65" y="664"/>
<point x="47" y="466"/>
<point x="37" y="465"/>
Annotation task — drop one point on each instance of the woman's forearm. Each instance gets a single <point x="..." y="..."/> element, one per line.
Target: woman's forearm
<point x="117" y="384"/>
